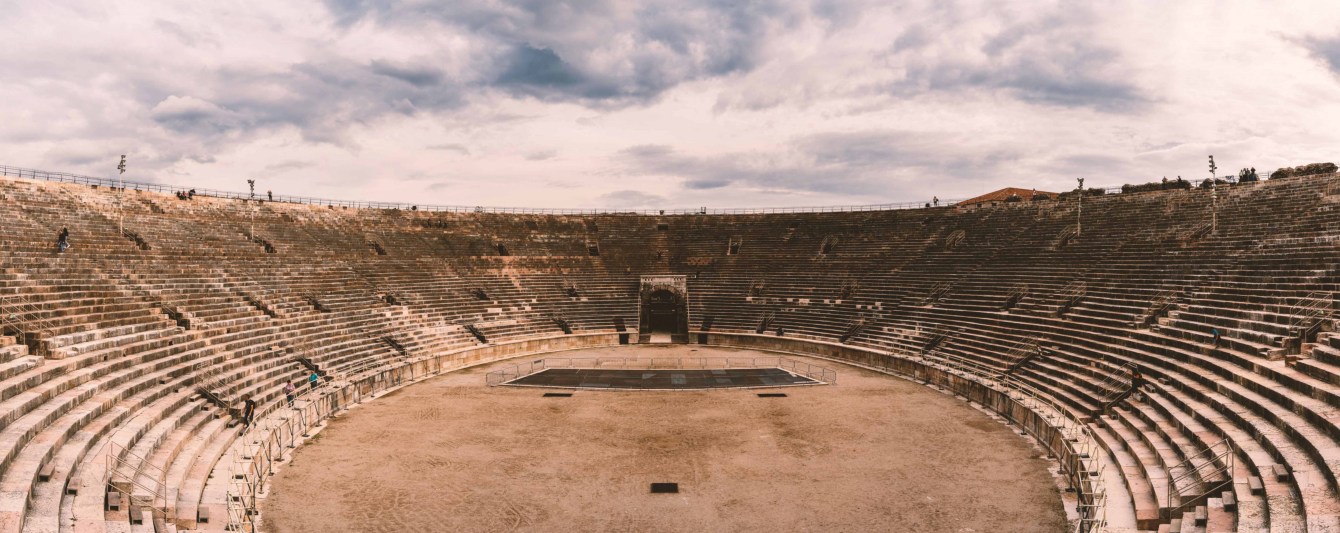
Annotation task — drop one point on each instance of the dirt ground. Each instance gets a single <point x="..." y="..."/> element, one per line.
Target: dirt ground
<point x="872" y="453"/>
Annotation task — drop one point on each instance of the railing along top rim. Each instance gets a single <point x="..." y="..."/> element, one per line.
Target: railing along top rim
<point x="63" y="177"/>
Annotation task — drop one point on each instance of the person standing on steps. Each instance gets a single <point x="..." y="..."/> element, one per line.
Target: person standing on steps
<point x="1217" y="337"/>
<point x="63" y="240"/>
<point x="290" y="391"/>
<point x="248" y="412"/>
<point x="313" y="379"/>
<point x="1138" y="384"/>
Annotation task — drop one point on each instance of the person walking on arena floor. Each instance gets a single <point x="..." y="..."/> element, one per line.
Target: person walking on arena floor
<point x="289" y="392"/>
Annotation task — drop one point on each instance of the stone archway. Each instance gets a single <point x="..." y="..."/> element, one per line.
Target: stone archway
<point x="664" y="309"/>
<point x="663" y="312"/>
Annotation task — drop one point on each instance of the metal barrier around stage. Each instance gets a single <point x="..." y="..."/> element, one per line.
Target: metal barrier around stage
<point x="526" y="368"/>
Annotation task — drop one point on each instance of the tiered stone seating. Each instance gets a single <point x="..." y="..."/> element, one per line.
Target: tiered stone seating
<point x="131" y="344"/>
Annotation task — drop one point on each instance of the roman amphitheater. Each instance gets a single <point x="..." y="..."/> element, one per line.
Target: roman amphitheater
<point x="1128" y="361"/>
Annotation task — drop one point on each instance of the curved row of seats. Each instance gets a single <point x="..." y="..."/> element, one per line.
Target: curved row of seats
<point x="140" y="344"/>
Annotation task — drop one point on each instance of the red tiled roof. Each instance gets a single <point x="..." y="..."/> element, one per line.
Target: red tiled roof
<point x="1001" y="195"/>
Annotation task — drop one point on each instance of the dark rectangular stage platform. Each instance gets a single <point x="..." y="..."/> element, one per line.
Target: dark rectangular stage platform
<point x="662" y="379"/>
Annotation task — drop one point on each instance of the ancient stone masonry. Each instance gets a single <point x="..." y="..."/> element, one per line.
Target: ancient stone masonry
<point x="131" y="344"/>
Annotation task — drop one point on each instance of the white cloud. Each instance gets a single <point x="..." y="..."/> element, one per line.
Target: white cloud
<point x="666" y="103"/>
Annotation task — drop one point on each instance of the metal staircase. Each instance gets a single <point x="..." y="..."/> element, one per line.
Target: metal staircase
<point x="1201" y="476"/>
<point x="22" y="318"/>
<point x="139" y="484"/>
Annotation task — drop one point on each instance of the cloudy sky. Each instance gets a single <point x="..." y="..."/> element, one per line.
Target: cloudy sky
<point x="665" y="103"/>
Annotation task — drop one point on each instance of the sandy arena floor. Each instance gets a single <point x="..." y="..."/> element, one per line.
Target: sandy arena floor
<point x="872" y="453"/>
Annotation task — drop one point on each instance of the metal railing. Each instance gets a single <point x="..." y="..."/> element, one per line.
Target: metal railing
<point x="359" y="369"/>
<point x="854" y="328"/>
<point x="24" y="317"/>
<point x="1070" y="295"/>
<point x="935" y="337"/>
<point x="937" y="291"/>
<point x="954" y="238"/>
<point x="1309" y="316"/>
<point x="1066" y="235"/>
<point x="135" y="478"/>
<point x="1317" y="305"/>
<point x="1015" y="296"/>
<point x="1201" y="475"/>
<point x="263" y="444"/>
<point x="1161" y="302"/>
<point x="812" y="371"/>
<point x="522" y="369"/>
<point x="65" y="177"/>
<point x="1113" y="384"/>
<point x="1021" y="353"/>
<point x="1082" y="458"/>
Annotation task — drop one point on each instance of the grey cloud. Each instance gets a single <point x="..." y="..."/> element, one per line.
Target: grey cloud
<point x="646" y="151"/>
<point x="884" y="152"/>
<point x="418" y="76"/>
<point x="541" y="155"/>
<point x="188" y="114"/>
<point x="1047" y="57"/>
<point x="848" y="163"/>
<point x="289" y="165"/>
<point x="629" y="198"/>
<point x="1327" y="50"/>
<point x="323" y="97"/>
<point x="915" y="36"/>
<point x="75" y="157"/>
<point x="763" y="170"/>
<point x="537" y="67"/>
<point x="457" y="148"/>
<point x="706" y="183"/>
<point x="594" y="51"/>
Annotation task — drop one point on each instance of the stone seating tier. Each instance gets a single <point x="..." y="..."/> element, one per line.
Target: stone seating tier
<point x="116" y="334"/>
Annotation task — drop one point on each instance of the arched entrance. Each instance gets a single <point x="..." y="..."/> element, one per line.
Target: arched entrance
<point x="664" y="312"/>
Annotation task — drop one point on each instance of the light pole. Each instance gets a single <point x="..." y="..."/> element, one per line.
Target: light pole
<point x="1214" y="198"/>
<point x="121" y="200"/>
<point x="1079" y="213"/>
<point x="252" y="184"/>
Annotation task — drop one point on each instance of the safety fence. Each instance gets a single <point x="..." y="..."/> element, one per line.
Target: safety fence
<point x="281" y="428"/>
<point x="65" y="177"/>
<point x="801" y="368"/>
